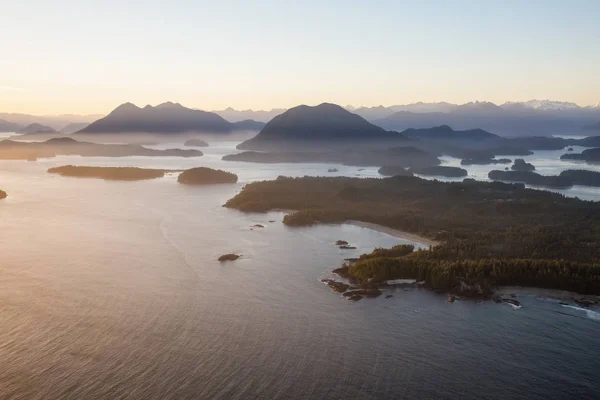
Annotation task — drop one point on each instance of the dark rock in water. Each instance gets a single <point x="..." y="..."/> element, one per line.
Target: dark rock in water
<point x="332" y="170"/>
<point x="361" y="169"/>
<point x="389" y="296"/>
<point x="339" y="287"/>
<point x="354" y="297"/>
<point x="371" y="293"/>
<point x="512" y="301"/>
<point x="345" y="247"/>
<point x="342" y="272"/>
<point x="229" y="257"/>
<point x="271" y="221"/>
<point x="341" y="243"/>
<point x="3" y="194"/>
<point x="451" y="299"/>
<point x="570" y="149"/>
<point x="584" y="302"/>
<point x="258" y="226"/>
<point x="562" y="303"/>
<point x="506" y="168"/>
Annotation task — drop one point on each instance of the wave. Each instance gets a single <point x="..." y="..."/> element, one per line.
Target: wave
<point x="590" y="314"/>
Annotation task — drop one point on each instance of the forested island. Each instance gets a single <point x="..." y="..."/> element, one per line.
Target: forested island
<point x="591" y="156"/>
<point x="522" y="165"/>
<point x="491" y="233"/>
<point x="449" y="172"/>
<point x="565" y="179"/>
<point x="13" y="150"/>
<point x="206" y="176"/>
<point x="195" y="143"/>
<point x="109" y="173"/>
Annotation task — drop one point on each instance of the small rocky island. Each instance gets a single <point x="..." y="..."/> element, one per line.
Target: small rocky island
<point x="2" y="194"/>
<point x="195" y="143"/>
<point x="228" y="257"/>
<point x="206" y="176"/>
<point x="521" y="165"/>
<point x="109" y="173"/>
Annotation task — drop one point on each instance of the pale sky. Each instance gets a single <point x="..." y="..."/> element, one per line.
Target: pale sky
<point x="90" y="56"/>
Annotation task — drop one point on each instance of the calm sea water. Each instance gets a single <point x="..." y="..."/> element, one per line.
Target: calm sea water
<point x="111" y="290"/>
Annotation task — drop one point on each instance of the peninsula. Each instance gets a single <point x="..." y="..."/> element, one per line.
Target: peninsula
<point x="490" y="233"/>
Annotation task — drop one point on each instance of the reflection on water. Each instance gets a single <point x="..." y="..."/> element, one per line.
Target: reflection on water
<point x="112" y="290"/>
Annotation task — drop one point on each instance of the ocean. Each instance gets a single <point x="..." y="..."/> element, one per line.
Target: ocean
<point x="112" y="290"/>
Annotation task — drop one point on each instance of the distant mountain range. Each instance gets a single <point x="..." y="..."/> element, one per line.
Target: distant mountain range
<point x="6" y="126"/>
<point x="593" y="128"/>
<point x="57" y="122"/>
<point x="533" y="118"/>
<point x="233" y="115"/>
<point x="36" y="128"/>
<point x="317" y="127"/>
<point x="164" y="118"/>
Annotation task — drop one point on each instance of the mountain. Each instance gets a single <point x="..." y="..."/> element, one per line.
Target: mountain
<point x="6" y="126"/>
<point x="375" y="113"/>
<point x="164" y="118"/>
<point x="445" y="132"/>
<point x="510" y="119"/>
<point x="593" y="127"/>
<point x="320" y="126"/>
<point x="36" y="128"/>
<point x="544" y="105"/>
<point x="73" y="127"/>
<point x="233" y="115"/>
<point x="53" y="121"/>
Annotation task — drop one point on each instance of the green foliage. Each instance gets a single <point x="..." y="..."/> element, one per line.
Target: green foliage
<point x="491" y="232"/>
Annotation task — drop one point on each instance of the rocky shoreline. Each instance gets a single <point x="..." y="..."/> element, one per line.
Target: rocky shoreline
<point x="353" y="290"/>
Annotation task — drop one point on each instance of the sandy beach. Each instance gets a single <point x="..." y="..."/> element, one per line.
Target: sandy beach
<point x="380" y="228"/>
<point x="394" y="232"/>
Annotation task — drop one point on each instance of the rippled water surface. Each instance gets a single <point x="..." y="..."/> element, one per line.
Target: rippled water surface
<point x="112" y="290"/>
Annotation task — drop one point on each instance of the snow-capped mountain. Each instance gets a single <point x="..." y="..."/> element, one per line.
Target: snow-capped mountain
<point x="544" y="105"/>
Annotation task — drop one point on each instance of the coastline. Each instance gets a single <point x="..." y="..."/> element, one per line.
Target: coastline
<point x="380" y="228"/>
<point x="394" y="232"/>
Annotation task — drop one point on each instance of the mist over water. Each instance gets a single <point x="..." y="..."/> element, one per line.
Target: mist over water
<point x="112" y="290"/>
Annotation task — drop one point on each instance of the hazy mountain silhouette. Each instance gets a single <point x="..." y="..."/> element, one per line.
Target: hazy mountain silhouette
<point x="36" y="128"/>
<point x="6" y="126"/>
<point x="164" y="118"/>
<point x="233" y="115"/>
<point x="54" y="121"/>
<point x="73" y="127"/>
<point x="322" y="125"/>
<point x="445" y="132"/>
<point x="379" y="112"/>
<point x="593" y="127"/>
<point x="534" y="118"/>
